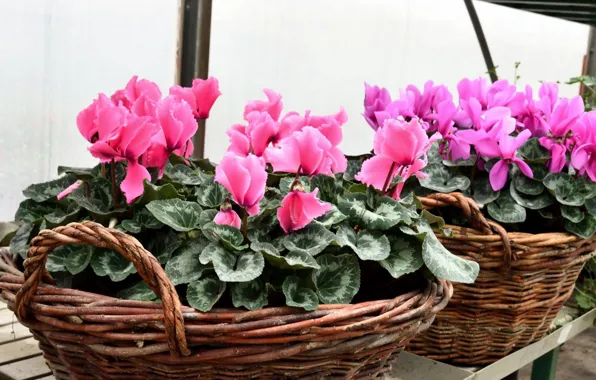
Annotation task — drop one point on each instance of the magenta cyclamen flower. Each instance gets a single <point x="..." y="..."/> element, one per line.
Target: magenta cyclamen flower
<point x="228" y="217"/>
<point x="137" y="94"/>
<point x="245" y="178"/>
<point x="376" y="99"/>
<point x="90" y="120"/>
<point x="200" y="97"/>
<point x="298" y="209"/>
<point x="583" y="157"/>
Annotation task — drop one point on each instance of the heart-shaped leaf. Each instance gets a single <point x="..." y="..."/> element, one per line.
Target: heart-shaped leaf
<point x="291" y="260"/>
<point x="527" y="185"/>
<point x="20" y="242"/>
<point x="229" y="236"/>
<point x="445" y="264"/>
<point x="163" y="245"/>
<point x="299" y="295"/>
<point x="207" y="216"/>
<point x="461" y="162"/>
<point x="138" y="292"/>
<point x="62" y="217"/>
<point x="41" y="192"/>
<point x="211" y="194"/>
<point x="332" y="217"/>
<point x="568" y="190"/>
<point x="368" y="245"/>
<point x="354" y="166"/>
<point x="506" y="209"/>
<point x="33" y="212"/>
<point x="405" y="256"/>
<point x="585" y="229"/>
<point x="591" y="206"/>
<point x="443" y="179"/>
<point x="106" y="262"/>
<point x="178" y="214"/>
<point x="203" y="293"/>
<point x="233" y="267"/>
<point x="338" y="279"/>
<point x="388" y="213"/>
<point x="533" y="202"/>
<point x="94" y="196"/>
<point x="573" y="214"/>
<point x="533" y="152"/>
<point x="71" y="258"/>
<point x="184" y="175"/>
<point x="184" y="266"/>
<point x="251" y="295"/>
<point x="153" y="192"/>
<point x="327" y="187"/>
<point x="312" y="239"/>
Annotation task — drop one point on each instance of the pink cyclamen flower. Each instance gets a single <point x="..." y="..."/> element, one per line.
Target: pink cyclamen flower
<point x="583" y="157"/>
<point x="532" y="117"/>
<point x="200" y="97"/>
<point x="245" y="178"/>
<point x="137" y="90"/>
<point x="298" y="209"/>
<point x="69" y="189"/>
<point x="228" y="217"/>
<point x="376" y="99"/>
<point x="272" y="105"/>
<point x="133" y="137"/>
<point x="88" y="119"/>
<point x="307" y="151"/>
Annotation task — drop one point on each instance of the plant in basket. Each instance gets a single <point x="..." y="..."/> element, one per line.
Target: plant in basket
<point x="285" y="231"/>
<point x="513" y="176"/>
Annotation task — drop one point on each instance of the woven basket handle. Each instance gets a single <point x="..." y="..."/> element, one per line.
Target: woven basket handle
<point x="473" y="214"/>
<point x="90" y="233"/>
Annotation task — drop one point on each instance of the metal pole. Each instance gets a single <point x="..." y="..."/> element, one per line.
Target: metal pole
<point x="196" y="36"/>
<point x="492" y="70"/>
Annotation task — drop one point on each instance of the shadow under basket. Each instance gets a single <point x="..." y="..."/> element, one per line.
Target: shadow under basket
<point x="91" y="336"/>
<point x="523" y="283"/>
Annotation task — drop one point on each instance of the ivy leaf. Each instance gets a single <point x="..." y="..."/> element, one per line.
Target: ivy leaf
<point x="207" y="216"/>
<point x="298" y="295"/>
<point x="506" y="210"/>
<point x="106" y="262"/>
<point x="184" y="175"/>
<point x="405" y="256"/>
<point x="185" y="266"/>
<point x="292" y="260"/>
<point x="445" y="264"/>
<point x="41" y="192"/>
<point x="326" y="186"/>
<point x="233" y="267"/>
<point x="286" y="182"/>
<point x="338" y="279"/>
<point x="585" y="229"/>
<point x="533" y="152"/>
<point x="229" y="236"/>
<point x="153" y="192"/>
<point x="19" y="245"/>
<point x="70" y="258"/>
<point x="211" y="194"/>
<point x="483" y="192"/>
<point x="312" y="240"/>
<point x="251" y="295"/>
<point x="180" y="215"/>
<point x="354" y="166"/>
<point x="163" y="244"/>
<point x="442" y="179"/>
<point x="532" y="202"/>
<point x="203" y="293"/>
<point x="368" y="245"/>
<point x="331" y="217"/>
<point x="33" y="212"/>
<point x="138" y="292"/>
<point x="388" y="213"/>
<point x="573" y="214"/>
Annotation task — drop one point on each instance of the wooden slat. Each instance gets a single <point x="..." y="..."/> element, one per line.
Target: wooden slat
<point x="14" y="331"/>
<point x="20" y="349"/>
<point x="26" y="370"/>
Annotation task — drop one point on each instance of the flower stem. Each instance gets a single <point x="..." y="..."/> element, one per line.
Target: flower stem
<point x="244" y="223"/>
<point x="103" y="170"/>
<point x="115" y="194"/>
<point x="389" y="175"/>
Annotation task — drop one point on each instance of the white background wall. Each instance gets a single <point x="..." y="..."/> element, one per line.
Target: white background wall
<point x="55" y="55"/>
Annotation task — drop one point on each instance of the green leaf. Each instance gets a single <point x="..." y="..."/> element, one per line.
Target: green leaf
<point x="573" y="214"/>
<point x="326" y="186"/>
<point x="585" y="229"/>
<point x="251" y="295"/>
<point x="357" y="188"/>
<point x="405" y="256"/>
<point x="184" y="174"/>
<point x="461" y="162"/>
<point x="106" y="262"/>
<point x="533" y="202"/>
<point x="286" y="182"/>
<point x="80" y="173"/>
<point x="96" y="196"/>
<point x="163" y="244"/>
<point x="292" y="260"/>
<point x="506" y="210"/>
<point x="203" y="293"/>
<point x="568" y="190"/>
<point x="443" y="179"/>
<point x="138" y="292"/>
<point x="180" y="215"/>
<point x="33" y="212"/>
<point x="211" y="194"/>
<point x="153" y="192"/>
<point x="338" y="279"/>
<point x="483" y="192"/>
<point x="41" y="192"/>
<point x="533" y="152"/>
<point x="71" y="258"/>
<point x="229" y="236"/>
<point x="20" y="242"/>
<point x="446" y="265"/>
<point x="142" y="219"/>
<point x="527" y="185"/>
<point x="185" y="266"/>
<point x="332" y="217"/>
<point x="388" y="213"/>
<point x="298" y="295"/>
<point x="368" y="245"/>
<point x="207" y="216"/>
<point x="591" y="206"/>
<point x="312" y="239"/>
<point x="354" y="166"/>
<point x="233" y="267"/>
<point x="61" y="217"/>
<point x="7" y="232"/>
<point x="546" y="214"/>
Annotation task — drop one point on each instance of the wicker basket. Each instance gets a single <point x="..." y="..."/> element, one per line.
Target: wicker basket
<point x="524" y="281"/>
<point x="91" y="336"/>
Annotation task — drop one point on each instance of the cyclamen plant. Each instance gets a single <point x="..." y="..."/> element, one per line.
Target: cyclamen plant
<point x="520" y="158"/>
<point x="283" y="215"/>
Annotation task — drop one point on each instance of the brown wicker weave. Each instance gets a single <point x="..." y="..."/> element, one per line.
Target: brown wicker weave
<point x="524" y="281"/>
<point x="91" y="336"/>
